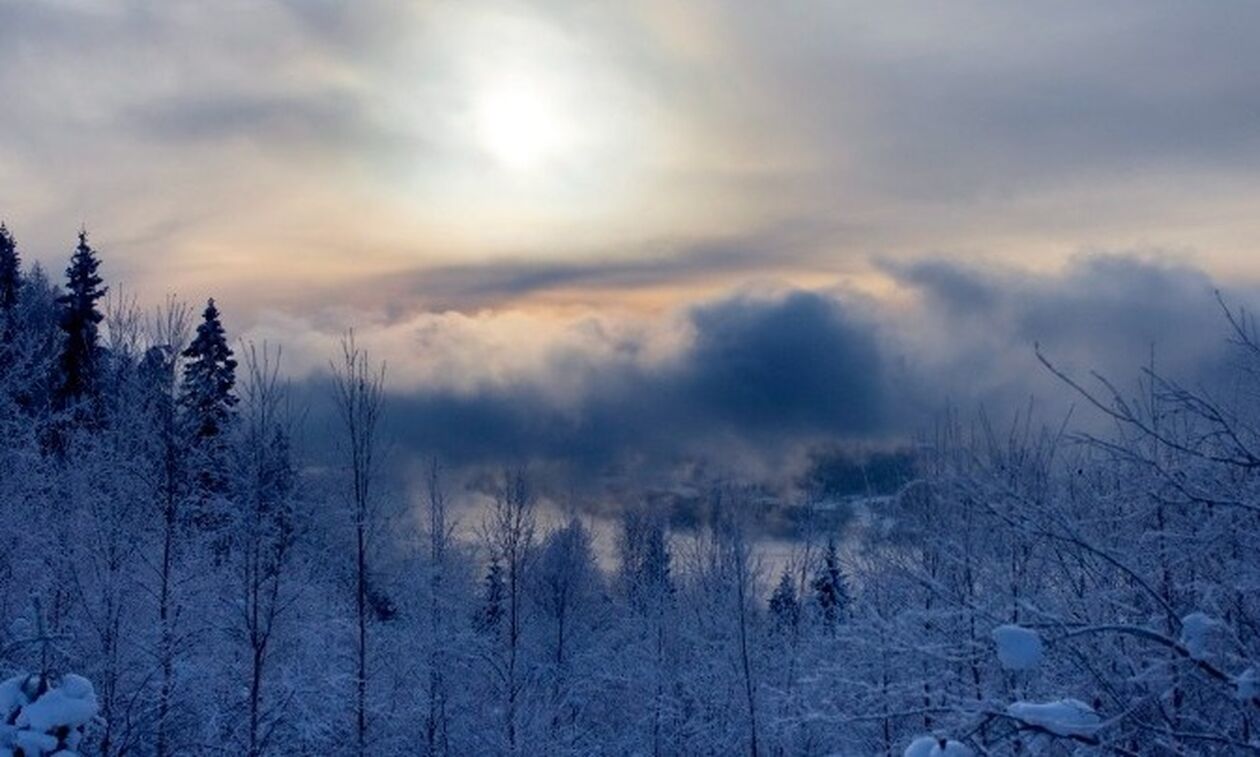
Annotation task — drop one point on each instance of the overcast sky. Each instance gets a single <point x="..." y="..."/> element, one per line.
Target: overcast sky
<point x="592" y="228"/>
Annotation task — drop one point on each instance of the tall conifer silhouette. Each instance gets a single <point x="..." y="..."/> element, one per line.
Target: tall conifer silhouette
<point x="207" y="396"/>
<point x="10" y="282"/>
<point x="207" y="403"/>
<point x="10" y="270"/>
<point x="831" y="590"/>
<point x="79" y="365"/>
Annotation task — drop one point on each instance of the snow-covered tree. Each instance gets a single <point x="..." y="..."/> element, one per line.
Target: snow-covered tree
<point x="565" y="587"/>
<point x="10" y="284"/>
<point x="442" y="635"/>
<point x="165" y="470"/>
<point x="831" y="592"/>
<point x="784" y="607"/>
<point x="488" y="619"/>
<point x="644" y="559"/>
<point x="30" y="355"/>
<point x="648" y="629"/>
<point x="264" y="540"/>
<point x="358" y="391"/>
<point x="509" y="532"/>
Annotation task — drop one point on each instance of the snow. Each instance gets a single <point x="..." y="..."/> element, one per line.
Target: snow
<point x="52" y="722"/>
<point x="1194" y="633"/>
<point x="1065" y="717"/>
<point x="11" y="695"/>
<point x="1018" y="648"/>
<point x="1247" y="685"/>
<point x="71" y="704"/>
<point x="932" y="746"/>
<point x="34" y="742"/>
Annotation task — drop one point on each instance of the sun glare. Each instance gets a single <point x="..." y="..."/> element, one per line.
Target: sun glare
<point x="520" y="126"/>
<point x="526" y="127"/>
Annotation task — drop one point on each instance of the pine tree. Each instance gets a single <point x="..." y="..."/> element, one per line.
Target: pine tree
<point x="831" y="592"/>
<point x="207" y="396"/>
<point x="489" y="616"/>
<point x="80" y="354"/>
<point x="784" y="606"/>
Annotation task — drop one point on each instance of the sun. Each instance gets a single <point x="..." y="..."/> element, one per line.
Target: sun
<point x="521" y="126"/>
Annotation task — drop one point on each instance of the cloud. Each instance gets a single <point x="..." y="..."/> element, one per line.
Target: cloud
<point x="749" y="383"/>
<point x="309" y="164"/>
<point x="206" y="143"/>
<point x="1112" y="308"/>
<point x="756" y="371"/>
<point x="796" y="364"/>
<point x="500" y="282"/>
<point x="960" y="102"/>
<point x="972" y="331"/>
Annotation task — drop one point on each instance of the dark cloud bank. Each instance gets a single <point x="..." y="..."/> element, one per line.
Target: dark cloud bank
<point x="760" y="373"/>
<point x="766" y="378"/>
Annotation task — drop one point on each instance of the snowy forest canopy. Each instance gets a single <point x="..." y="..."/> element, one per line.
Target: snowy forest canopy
<point x="178" y="576"/>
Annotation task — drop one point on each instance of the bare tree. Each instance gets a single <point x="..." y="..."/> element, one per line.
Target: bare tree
<point x="439" y="538"/>
<point x="266" y="530"/>
<point x="564" y="581"/>
<point x="358" y="389"/>
<point x="169" y="335"/>
<point x="743" y="569"/>
<point x="725" y="575"/>
<point x="109" y="482"/>
<point x="508" y="532"/>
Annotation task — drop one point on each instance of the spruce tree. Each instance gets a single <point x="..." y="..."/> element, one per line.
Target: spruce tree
<point x="490" y="615"/>
<point x="206" y="403"/>
<point x="79" y="320"/>
<point x="784" y="606"/>
<point x="207" y="397"/>
<point x="831" y="592"/>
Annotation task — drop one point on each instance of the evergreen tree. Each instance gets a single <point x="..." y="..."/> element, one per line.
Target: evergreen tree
<point x="79" y="319"/>
<point x="209" y="378"/>
<point x="645" y="560"/>
<point x="784" y="606"/>
<point x="654" y="571"/>
<point x="489" y="616"/>
<point x="206" y="402"/>
<point x="831" y="591"/>
<point x="10" y="282"/>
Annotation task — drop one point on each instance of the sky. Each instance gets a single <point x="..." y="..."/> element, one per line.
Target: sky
<point x="625" y="235"/>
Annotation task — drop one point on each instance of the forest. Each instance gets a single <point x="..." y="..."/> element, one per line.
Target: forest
<point x="179" y="574"/>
